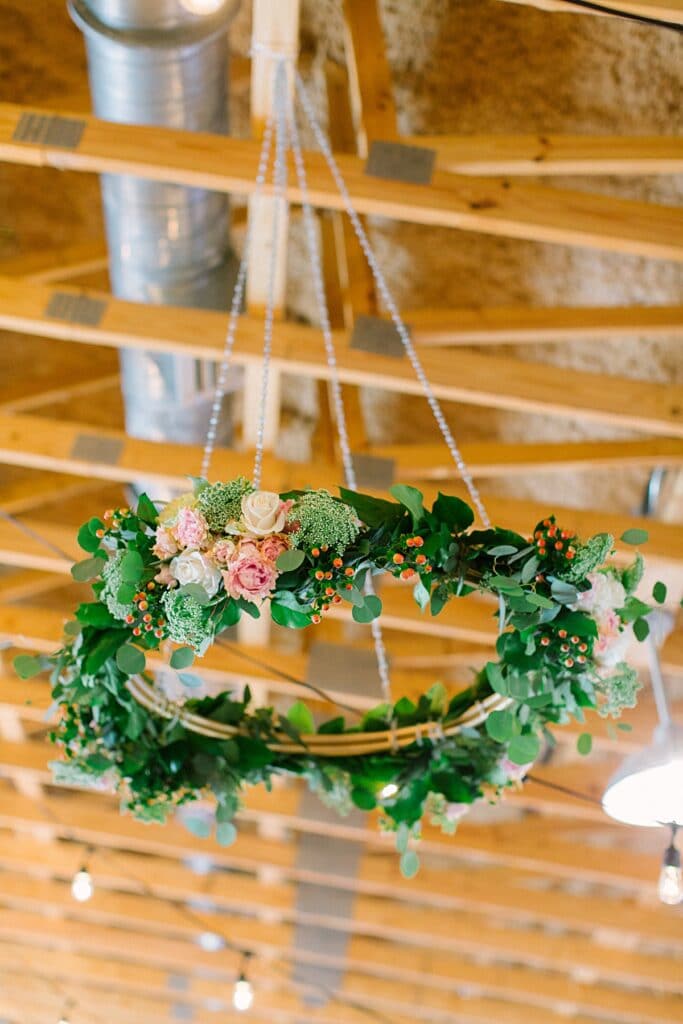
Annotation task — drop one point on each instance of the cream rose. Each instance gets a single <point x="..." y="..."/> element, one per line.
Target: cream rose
<point x="263" y="513"/>
<point x="194" y="567"/>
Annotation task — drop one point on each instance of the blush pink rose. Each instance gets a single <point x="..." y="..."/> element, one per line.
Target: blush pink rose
<point x="248" y="548"/>
<point x="273" y="547"/>
<point x="252" y="578"/>
<point x="166" y="577"/>
<point x="223" y="551"/>
<point x="191" y="529"/>
<point x="165" y="546"/>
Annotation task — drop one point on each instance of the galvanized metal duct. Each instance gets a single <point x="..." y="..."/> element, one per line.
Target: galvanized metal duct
<point x="155" y="62"/>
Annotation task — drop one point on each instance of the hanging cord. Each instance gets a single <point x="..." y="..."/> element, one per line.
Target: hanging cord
<point x="389" y="302"/>
<point x="236" y="304"/>
<point x="641" y="19"/>
<point x="280" y="105"/>
<point x="34" y="535"/>
<point x="313" y="244"/>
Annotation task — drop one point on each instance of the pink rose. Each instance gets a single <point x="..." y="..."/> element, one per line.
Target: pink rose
<point x="515" y="772"/>
<point x="166" y="577"/>
<point x="191" y="529"/>
<point x="223" y="551"/>
<point x="252" y="578"/>
<point x="165" y="546"/>
<point x="273" y="547"/>
<point x="248" y="548"/>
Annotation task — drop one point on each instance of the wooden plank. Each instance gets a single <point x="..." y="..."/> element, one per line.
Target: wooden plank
<point x="516" y="325"/>
<point x="664" y="10"/>
<point x="372" y="96"/>
<point x="62" y="393"/>
<point x="47" y="444"/>
<point x="555" y="154"/>
<point x="497" y="206"/>
<point x="475" y="379"/>
<point x="58" y="264"/>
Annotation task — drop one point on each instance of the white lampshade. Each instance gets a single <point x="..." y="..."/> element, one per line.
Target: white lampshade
<point x="648" y="788"/>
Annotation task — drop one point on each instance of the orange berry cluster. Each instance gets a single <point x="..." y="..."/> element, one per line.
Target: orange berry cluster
<point x="324" y="580"/>
<point x="114" y="518"/>
<point x="550" y="540"/>
<point x="573" y="650"/>
<point x="407" y="564"/>
<point x="146" y="619"/>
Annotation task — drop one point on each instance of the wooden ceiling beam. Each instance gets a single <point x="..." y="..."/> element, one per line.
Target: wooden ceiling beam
<point x="545" y="155"/>
<point x="664" y="10"/>
<point x="474" y="378"/>
<point x="496" y="206"/>
<point x="404" y="966"/>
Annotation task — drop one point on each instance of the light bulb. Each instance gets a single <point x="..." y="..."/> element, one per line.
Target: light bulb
<point x="62" y="1020"/>
<point x="82" y="887"/>
<point x="201" y="6"/>
<point x="391" y="789"/>
<point x="243" y="994"/>
<point x="671" y="877"/>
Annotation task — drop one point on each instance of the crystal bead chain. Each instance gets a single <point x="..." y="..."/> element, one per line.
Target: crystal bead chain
<point x="236" y="305"/>
<point x="280" y="104"/>
<point x="388" y="299"/>
<point x="313" y="245"/>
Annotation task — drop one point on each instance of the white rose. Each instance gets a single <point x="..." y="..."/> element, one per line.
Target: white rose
<point x="606" y="594"/>
<point x="194" y="567"/>
<point x="262" y="513"/>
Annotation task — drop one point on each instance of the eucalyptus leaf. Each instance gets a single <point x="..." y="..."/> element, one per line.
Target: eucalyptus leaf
<point x="523" y="749"/>
<point x="27" y="665"/>
<point x="299" y="715"/>
<point x="131" y="567"/>
<point x="290" y="560"/>
<point x="500" y="726"/>
<point x="584" y="744"/>
<point x="226" y="833"/>
<point x="659" y="592"/>
<point x="502" y="549"/>
<point x="368" y="611"/>
<point x="196" y="592"/>
<point x="88" y="569"/>
<point x="182" y="657"/>
<point x="641" y="629"/>
<point x="199" y="825"/>
<point x="410" y="864"/>
<point x="635" y="536"/>
<point x="131" y="660"/>
<point x="191" y="681"/>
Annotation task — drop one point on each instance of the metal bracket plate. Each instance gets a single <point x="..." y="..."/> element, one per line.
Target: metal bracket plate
<point x="374" y="471"/>
<point x="76" y="309"/>
<point x="397" y="161"/>
<point x="376" y="335"/>
<point x="91" y="448"/>
<point x="49" y="130"/>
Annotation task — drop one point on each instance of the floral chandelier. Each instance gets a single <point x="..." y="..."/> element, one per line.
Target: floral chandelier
<point x="179" y="574"/>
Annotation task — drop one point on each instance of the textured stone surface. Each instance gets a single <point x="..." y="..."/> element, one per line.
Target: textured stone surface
<point x="458" y="66"/>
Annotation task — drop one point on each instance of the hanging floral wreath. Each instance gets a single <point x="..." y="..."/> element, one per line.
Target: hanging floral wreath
<point x="188" y="571"/>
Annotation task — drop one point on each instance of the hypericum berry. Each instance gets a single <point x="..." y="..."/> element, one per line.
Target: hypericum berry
<point x="348" y="571"/>
<point x="581" y="659"/>
<point x="336" y="599"/>
<point x="421" y="559"/>
<point x="137" y="631"/>
<point x="570" y="553"/>
<point x="329" y="591"/>
<point x="130" y="619"/>
<point x="147" y="617"/>
<point x="574" y="639"/>
<point x="564" y="648"/>
<point x="398" y="558"/>
<point x="315" y="552"/>
<point x="326" y="547"/>
<point x="143" y="606"/>
<point x="559" y="545"/>
<point x="328" y="575"/>
<point x="109" y="513"/>
<point x="149" y="627"/>
<point x="410" y="542"/>
<point x="316" y="619"/>
<point x="552" y="531"/>
<point x="407" y="573"/>
<point x="569" y="662"/>
<point x="151" y="585"/>
<point x="427" y="568"/>
<point x="99" y="533"/>
<point x="158" y="633"/>
<point x="326" y="607"/>
<point x="545" y="640"/>
<point x="583" y="648"/>
<point x="337" y="563"/>
<point x="562" y="633"/>
<point x="320" y="575"/>
<point x="418" y="542"/>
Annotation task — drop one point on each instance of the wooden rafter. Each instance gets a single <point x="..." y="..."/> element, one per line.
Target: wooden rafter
<point x="497" y="206"/>
<point x="484" y="380"/>
<point x="664" y="10"/>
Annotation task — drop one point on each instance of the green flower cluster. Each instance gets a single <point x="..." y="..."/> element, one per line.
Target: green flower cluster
<point x="619" y="690"/>
<point x="220" y="503"/>
<point x="113" y="580"/>
<point x="589" y="556"/>
<point x="188" y="622"/>
<point x="323" y="521"/>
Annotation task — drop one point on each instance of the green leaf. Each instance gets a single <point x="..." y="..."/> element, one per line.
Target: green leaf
<point x="633" y="609"/>
<point x="562" y="592"/>
<point x="73" y="628"/>
<point x="584" y="744"/>
<point x="456" y="513"/>
<point x="502" y="549"/>
<point x="301" y="718"/>
<point x="230" y="616"/>
<point x="249" y="607"/>
<point x="496" y="679"/>
<point x="523" y="749"/>
<point x="27" y="666"/>
<point x="226" y="833"/>
<point x="500" y="725"/>
<point x="635" y="536"/>
<point x="198" y="825"/>
<point x="641" y="629"/>
<point x="364" y="799"/>
<point x="131" y="567"/>
<point x="410" y="864"/>
<point x="126" y="593"/>
<point x="505" y="585"/>
<point x="196" y="592"/>
<point x="624" y="726"/>
<point x="290" y="560"/>
<point x="192" y="682"/>
<point x="578" y="623"/>
<point x="539" y="600"/>
<point x="437" y="695"/>
<point x="411" y="499"/>
<point x="368" y="611"/>
<point x="372" y="511"/>
<point x="130" y="659"/>
<point x="95" y="614"/>
<point x="421" y="594"/>
<point x="402" y="837"/>
<point x="88" y="569"/>
<point x="289" y="617"/>
<point x="87" y="539"/>
<point x="659" y="592"/>
<point x="146" y="510"/>
<point x="182" y="657"/>
<point x="529" y="569"/>
<point x="199" y="483"/>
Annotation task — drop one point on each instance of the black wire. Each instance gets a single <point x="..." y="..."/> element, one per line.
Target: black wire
<point x="641" y="19"/>
<point x="564" y="789"/>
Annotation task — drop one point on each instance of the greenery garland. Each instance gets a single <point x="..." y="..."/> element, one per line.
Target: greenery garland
<point x="187" y="571"/>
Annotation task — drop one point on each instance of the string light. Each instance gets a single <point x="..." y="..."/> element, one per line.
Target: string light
<point x="82" y="887"/>
<point x="243" y="992"/>
<point x="201" y="6"/>
<point x="671" y="876"/>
